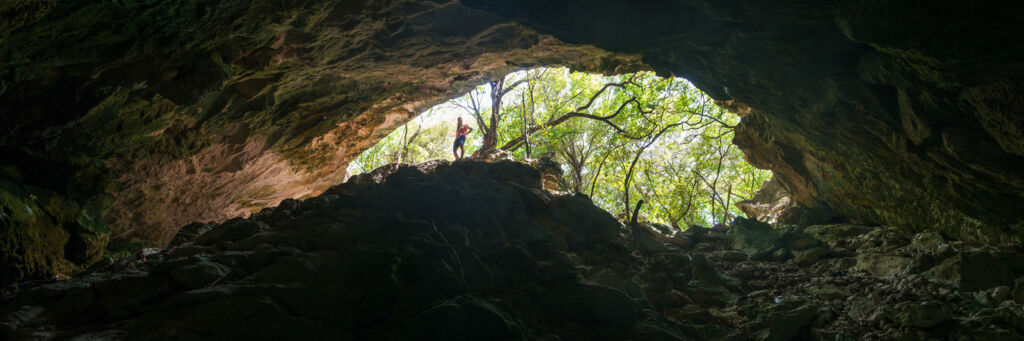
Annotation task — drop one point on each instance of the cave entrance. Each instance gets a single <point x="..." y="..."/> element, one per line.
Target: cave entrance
<point x="618" y="139"/>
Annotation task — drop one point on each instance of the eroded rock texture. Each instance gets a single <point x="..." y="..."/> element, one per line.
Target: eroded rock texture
<point x="479" y="251"/>
<point x="196" y="111"/>
<point x="901" y="114"/>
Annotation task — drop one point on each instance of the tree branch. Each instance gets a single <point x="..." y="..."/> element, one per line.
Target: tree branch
<point x="511" y="87"/>
<point x="509" y="146"/>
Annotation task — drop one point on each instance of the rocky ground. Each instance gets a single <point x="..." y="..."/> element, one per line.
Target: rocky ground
<point x="479" y="251"/>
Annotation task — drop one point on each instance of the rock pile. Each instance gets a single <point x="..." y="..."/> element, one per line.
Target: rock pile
<point x="479" y="251"/>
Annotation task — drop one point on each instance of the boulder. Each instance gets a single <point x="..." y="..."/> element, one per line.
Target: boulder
<point x="754" y="238"/>
<point x="917" y="315"/>
<point x="809" y="256"/>
<point x="199" y="275"/>
<point x="833" y="234"/>
<point x="587" y="224"/>
<point x="231" y="231"/>
<point x="646" y="240"/>
<point x="761" y="241"/>
<point x="883" y="265"/>
<point x="927" y="242"/>
<point x="188" y="234"/>
<point x="652" y="238"/>
<point x="978" y="268"/>
<point x="703" y="270"/>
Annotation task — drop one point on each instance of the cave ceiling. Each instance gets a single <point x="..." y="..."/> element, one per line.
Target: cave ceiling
<point x="129" y="120"/>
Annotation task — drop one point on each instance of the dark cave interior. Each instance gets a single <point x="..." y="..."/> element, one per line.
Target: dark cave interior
<point x="146" y="120"/>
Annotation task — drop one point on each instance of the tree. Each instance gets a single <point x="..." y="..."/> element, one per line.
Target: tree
<point x="620" y="139"/>
<point x="497" y="92"/>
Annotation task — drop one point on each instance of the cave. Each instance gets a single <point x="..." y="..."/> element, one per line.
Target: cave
<point x="217" y="135"/>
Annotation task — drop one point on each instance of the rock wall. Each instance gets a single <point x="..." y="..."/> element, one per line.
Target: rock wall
<point x="178" y="111"/>
<point x="900" y="114"/>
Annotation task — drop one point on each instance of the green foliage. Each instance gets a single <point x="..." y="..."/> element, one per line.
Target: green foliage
<point x="414" y="142"/>
<point x="659" y="137"/>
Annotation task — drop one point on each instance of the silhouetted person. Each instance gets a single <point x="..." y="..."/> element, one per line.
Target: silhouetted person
<point x="461" y="130"/>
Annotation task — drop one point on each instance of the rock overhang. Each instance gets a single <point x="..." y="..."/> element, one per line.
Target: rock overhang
<point x="199" y="112"/>
<point x="860" y="108"/>
<point x="196" y="112"/>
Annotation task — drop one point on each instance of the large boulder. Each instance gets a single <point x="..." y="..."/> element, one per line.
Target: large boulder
<point x="761" y="241"/>
<point x="979" y="268"/>
<point x="884" y="265"/>
<point x="587" y="224"/>
<point x="836" y="233"/>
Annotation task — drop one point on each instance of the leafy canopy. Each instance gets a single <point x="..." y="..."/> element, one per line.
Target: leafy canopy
<point x="619" y="139"/>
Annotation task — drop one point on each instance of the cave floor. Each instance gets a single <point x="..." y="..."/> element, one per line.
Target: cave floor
<point x="473" y="251"/>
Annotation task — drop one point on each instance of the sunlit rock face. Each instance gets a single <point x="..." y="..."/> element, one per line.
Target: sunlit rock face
<point x="904" y="114"/>
<point x="772" y="204"/>
<point x="197" y="111"/>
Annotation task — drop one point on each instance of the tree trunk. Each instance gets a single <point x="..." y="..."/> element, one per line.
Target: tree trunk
<point x="529" y="120"/>
<point x="728" y="200"/>
<point x="629" y="173"/>
<point x="526" y="125"/>
<point x="491" y="135"/>
<point x="405" y="143"/>
<point x="593" y="182"/>
<point x="629" y="176"/>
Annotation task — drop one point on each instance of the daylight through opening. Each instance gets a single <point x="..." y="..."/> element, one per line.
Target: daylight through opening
<point x="618" y="139"/>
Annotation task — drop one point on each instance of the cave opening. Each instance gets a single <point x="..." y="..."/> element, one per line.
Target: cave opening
<point x="669" y="139"/>
<point x="221" y="133"/>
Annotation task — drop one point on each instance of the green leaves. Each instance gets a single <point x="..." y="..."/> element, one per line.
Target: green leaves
<point x="686" y="168"/>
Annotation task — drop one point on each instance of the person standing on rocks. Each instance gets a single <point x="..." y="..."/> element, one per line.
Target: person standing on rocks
<point x="461" y="130"/>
